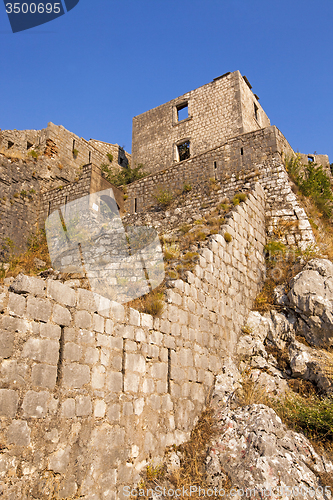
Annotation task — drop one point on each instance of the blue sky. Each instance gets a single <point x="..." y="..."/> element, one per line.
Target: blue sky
<point x="106" y="61"/>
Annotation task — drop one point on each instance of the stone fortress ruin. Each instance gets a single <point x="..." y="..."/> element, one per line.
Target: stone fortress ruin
<point x="92" y="390"/>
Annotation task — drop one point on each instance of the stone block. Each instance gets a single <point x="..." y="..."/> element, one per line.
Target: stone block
<point x="131" y="382"/>
<point x="8" y="403"/>
<point x="114" y="381"/>
<point x="109" y="326"/>
<point x="61" y="293"/>
<point x="134" y="317"/>
<point x="44" y="376"/>
<point x="13" y="372"/>
<point x="86" y="337"/>
<point x="159" y="370"/>
<point x="86" y="300"/>
<point x="98" y="377"/>
<point x="98" y="323"/>
<point x="83" y="319"/>
<point x="50" y="331"/>
<point x="16" y="304"/>
<point x="68" y="408"/>
<point x="39" y="309"/>
<point x="104" y="340"/>
<point x="140" y="335"/>
<point x="35" y="404"/>
<point x="99" y="408"/>
<point x="113" y="413"/>
<point x="91" y="355"/>
<point x="146" y="320"/>
<point x="117" y="311"/>
<point x="127" y="409"/>
<point x="58" y="461"/>
<point x="135" y="363"/>
<point x="28" y="284"/>
<point x="41" y="350"/>
<point x="6" y="344"/>
<point x="83" y="406"/>
<point x="18" y="433"/>
<point x="148" y="386"/>
<point x="72" y="352"/>
<point x="76" y="375"/>
<point x="61" y="315"/>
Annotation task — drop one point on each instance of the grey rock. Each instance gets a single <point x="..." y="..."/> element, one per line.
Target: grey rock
<point x="6" y="344"/>
<point x="8" y="403"/>
<point x="18" y="433"/>
<point x="257" y="451"/>
<point x="28" y="284"/>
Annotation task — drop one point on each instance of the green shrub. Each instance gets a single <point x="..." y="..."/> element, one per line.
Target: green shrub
<point x="124" y="176"/>
<point x="312" y="415"/>
<point x="312" y="182"/>
<point x="33" y="154"/>
<point x="227" y="237"/>
<point x="75" y="153"/>
<point x="238" y="198"/>
<point x="187" y="187"/>
<point x="163" y="197"/>
<point x="110" y="157"/>
<point x="274" y="248"/>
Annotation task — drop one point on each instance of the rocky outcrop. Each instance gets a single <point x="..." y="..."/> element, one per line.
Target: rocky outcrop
<point x="263" y="458"/>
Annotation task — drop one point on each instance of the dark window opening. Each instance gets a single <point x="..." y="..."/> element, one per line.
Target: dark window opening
<point x="66" y="200"/>
<point x="135" y="205"/>
<point x="10" y="144"/>
<point x="242" y="152"/>
<point x="89" y="157"/>
<point x="29" y="145"/>
<point x="73" y="144"/>
<point x="184" y="150"/>
<point x="49" y="209"/>
<point x="215" y="165"/>
<point x="182" y="112"/>
<point x="311" y="159"/>
<point x="256" y="111"/>
<point x="121" y="161"/>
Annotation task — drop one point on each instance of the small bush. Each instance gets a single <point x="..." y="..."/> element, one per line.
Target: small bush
<point x="171" y="251"/>
<point x="124" y="176"/>
<point x="75" y="153"/>
<point x="33" y="154"/>
<point x="227" y="237"/>
<point x="187" y="187"/>
<point x="153" y="303"/>
<point x="163" y="197"/>
<point x="239" y="198"/>
<point x="110" y="157"/>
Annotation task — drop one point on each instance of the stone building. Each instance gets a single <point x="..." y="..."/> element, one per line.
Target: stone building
<point x="196" y="121"/>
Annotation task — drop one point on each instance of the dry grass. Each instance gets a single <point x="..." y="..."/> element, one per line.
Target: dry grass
<point x="24" y="262"/>
<point x="152" y="303"/>
<point x="192" y="471"/>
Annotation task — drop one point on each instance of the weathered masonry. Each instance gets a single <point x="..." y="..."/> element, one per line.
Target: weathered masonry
<point x="196" y="121"/>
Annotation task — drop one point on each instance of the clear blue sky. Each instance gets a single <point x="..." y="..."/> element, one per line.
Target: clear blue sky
<point x="106" y="61"/>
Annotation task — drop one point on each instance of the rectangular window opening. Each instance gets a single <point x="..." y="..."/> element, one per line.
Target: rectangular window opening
<point x="242" y="152"/>
<point x="182" y="111"/>
<point x="135" y="205"/>
<point x="73" y="144"/>
<point x="89" y="157"/>
<point x="183" y="150"/>
<point x="256" y="111"/>
<point x="10" y="144"/>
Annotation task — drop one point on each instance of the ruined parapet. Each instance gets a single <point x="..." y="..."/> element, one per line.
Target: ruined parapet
<point x="91" y="390"/>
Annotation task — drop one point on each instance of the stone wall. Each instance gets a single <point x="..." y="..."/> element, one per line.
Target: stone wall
<point x="92" y="390"/>
<point x="235" y="166"/>
<point x="58" y="144"/>
<point x="217" y="111"/>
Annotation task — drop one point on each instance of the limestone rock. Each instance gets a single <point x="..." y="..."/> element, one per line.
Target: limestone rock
<point x="257" y="451"/>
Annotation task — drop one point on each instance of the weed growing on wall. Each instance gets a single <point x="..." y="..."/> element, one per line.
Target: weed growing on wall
<point x="164" y="197"/>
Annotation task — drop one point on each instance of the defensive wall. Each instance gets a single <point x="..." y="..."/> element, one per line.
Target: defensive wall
<point x="62" y="147"/>
<point x="30" y="191"/>
<point x="235" y="166"/>
<point x="91" y="390"/>
<point x="222" y="109"/>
